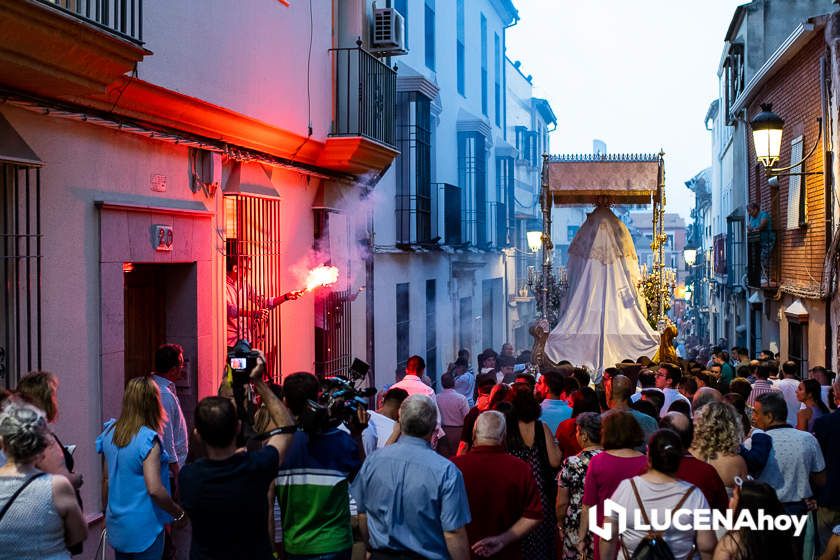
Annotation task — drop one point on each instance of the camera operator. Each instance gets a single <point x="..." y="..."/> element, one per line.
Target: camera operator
<point x="224" y="494"/>
<point x="313" y="481"/>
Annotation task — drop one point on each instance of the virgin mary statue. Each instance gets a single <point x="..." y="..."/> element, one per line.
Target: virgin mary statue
<point x="603" y="319"/>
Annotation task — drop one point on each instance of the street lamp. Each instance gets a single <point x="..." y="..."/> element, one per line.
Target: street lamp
<point x="690" y="256"/>
<point x="534" y="240"/>
<point x="767" y="128"/>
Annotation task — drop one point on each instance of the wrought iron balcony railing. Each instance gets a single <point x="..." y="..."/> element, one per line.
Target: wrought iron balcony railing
<point x="366" y="95"/>
<point x="762" y="269"/>
<point x="122" y="17"/>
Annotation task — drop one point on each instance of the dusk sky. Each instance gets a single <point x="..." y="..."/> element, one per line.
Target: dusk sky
<point x="637" y="75"/>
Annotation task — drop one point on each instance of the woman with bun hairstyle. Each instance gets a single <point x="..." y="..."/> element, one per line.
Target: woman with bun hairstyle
<point x="39" y="515"/>
<point x="658" y="489"/>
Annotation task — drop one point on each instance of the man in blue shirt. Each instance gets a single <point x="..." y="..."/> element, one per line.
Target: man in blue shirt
<point x="555" y="409"/>
<point x="760" y="221"/>
<point x="412" y="502"/>
<point x="826" y="429"/>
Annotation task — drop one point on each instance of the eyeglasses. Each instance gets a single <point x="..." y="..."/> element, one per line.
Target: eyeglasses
<point x="661" y="375"/>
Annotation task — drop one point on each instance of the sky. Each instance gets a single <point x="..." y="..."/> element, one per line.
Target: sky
<point x="639" y="75"/>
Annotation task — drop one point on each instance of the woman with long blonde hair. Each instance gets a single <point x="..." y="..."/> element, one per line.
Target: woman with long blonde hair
<point x="136" y="477"/>
<point x="718" y="433"/>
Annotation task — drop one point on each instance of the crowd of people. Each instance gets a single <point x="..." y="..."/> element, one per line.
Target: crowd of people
<point x="503" y="463"/>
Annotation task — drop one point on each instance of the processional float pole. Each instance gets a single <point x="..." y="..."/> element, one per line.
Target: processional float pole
<point x="660" y="238"/>
<point x="545" y="201"/>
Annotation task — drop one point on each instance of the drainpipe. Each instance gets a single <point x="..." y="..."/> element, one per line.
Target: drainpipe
<point x="370" y="330"/>
<point x="828" y="165"/>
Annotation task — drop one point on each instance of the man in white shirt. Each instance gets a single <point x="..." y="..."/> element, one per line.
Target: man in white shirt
<point x="381" y="422"/>
<point x="169" y="366"/>
<point x="667" y="380"/>
<point x="788" y="385"/>
<point x="825" y="379"/>
<point x="464" y="379"/>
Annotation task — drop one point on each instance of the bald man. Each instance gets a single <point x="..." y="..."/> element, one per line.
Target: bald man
<point x="693" y="470"/>
<point x="619" y="399"/>
<point x="513" y="509"/>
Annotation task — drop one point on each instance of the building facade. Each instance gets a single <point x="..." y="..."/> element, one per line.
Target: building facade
<point x="698" y="241"/>
<point x="450" y="214"/>
<point x="789" y="288"/>
<point x="530" y="119"/>
<point x="142" y="150"/>
<point x="756" y="31"/>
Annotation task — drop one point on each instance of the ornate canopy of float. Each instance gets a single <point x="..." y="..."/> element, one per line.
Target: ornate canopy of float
<point x="604" y="317"/>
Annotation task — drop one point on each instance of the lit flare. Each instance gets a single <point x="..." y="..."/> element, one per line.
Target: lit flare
<point x="321" y="276"/>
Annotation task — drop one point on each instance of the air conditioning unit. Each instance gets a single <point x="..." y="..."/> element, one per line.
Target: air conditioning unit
<point x="388" y="32"/>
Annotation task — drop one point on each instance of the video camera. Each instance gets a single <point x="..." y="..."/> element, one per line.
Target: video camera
<point x="340" y="400"/>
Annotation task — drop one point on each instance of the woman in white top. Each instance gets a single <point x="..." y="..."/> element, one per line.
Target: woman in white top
<point x="659" y="492"/>
<point x="42" y="518"/>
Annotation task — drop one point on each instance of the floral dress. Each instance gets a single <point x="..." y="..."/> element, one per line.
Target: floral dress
<point x="571" y="477"/>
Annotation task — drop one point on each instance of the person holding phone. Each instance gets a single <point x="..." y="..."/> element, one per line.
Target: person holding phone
<point x="39" y="516"/>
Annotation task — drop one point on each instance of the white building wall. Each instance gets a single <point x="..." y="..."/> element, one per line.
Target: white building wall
<point x="252" y="61"/>
<point x="393" y="266"/>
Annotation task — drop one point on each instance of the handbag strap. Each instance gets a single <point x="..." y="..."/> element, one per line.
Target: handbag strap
<point x="17" y="493"/>
<point x="639" y="502"/>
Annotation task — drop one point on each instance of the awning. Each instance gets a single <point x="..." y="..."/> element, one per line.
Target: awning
<point x="621" y="178"/>
<point x="13" y="148"/>
<point x="796" y="312"/>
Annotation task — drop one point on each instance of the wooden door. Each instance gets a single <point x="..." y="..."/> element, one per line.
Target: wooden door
<point x="145" y="316"/>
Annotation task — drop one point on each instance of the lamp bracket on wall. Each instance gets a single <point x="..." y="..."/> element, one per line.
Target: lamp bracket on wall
<point x="782" y="171"/>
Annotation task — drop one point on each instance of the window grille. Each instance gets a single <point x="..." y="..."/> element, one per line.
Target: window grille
<point x="20" y="187"/>
<point x="333" y="327"/>
<point x="431" y="330"/>
<point x="403" y="319"/>
<point x="472" y="177"/>
<point x="414" y="196"/>
<point x="252" y="229"/>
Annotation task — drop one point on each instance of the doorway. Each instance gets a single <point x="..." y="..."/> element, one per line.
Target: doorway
<point x="160" y="306"/>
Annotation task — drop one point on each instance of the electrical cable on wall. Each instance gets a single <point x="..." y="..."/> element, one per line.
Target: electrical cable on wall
<point x="308" y="88"/>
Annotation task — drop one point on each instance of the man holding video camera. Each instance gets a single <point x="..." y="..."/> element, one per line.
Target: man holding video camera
<point x="312" y="484"/>
<point x="225" y="493"/>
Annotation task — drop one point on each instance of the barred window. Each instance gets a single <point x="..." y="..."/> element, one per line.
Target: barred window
<point x="20" y="268"/>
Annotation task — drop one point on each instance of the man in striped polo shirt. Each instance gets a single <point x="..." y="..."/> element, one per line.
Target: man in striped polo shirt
<point x="312" y="484"/>
<point x="762" y="382"/>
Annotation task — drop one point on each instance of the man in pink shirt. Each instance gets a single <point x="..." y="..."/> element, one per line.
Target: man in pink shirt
<point x="453" y="408"/>
<point x="412" y="383"/>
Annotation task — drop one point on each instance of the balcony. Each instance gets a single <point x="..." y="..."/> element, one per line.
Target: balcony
<point x="67" y="48"/>
<point x="429" y="220"/>
<point x="759" y="276"/>
<point x="364" y="136"/>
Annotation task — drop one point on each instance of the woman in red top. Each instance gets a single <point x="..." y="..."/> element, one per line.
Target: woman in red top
<point x="583" y="400"/>
<point x="620" y="435"/>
